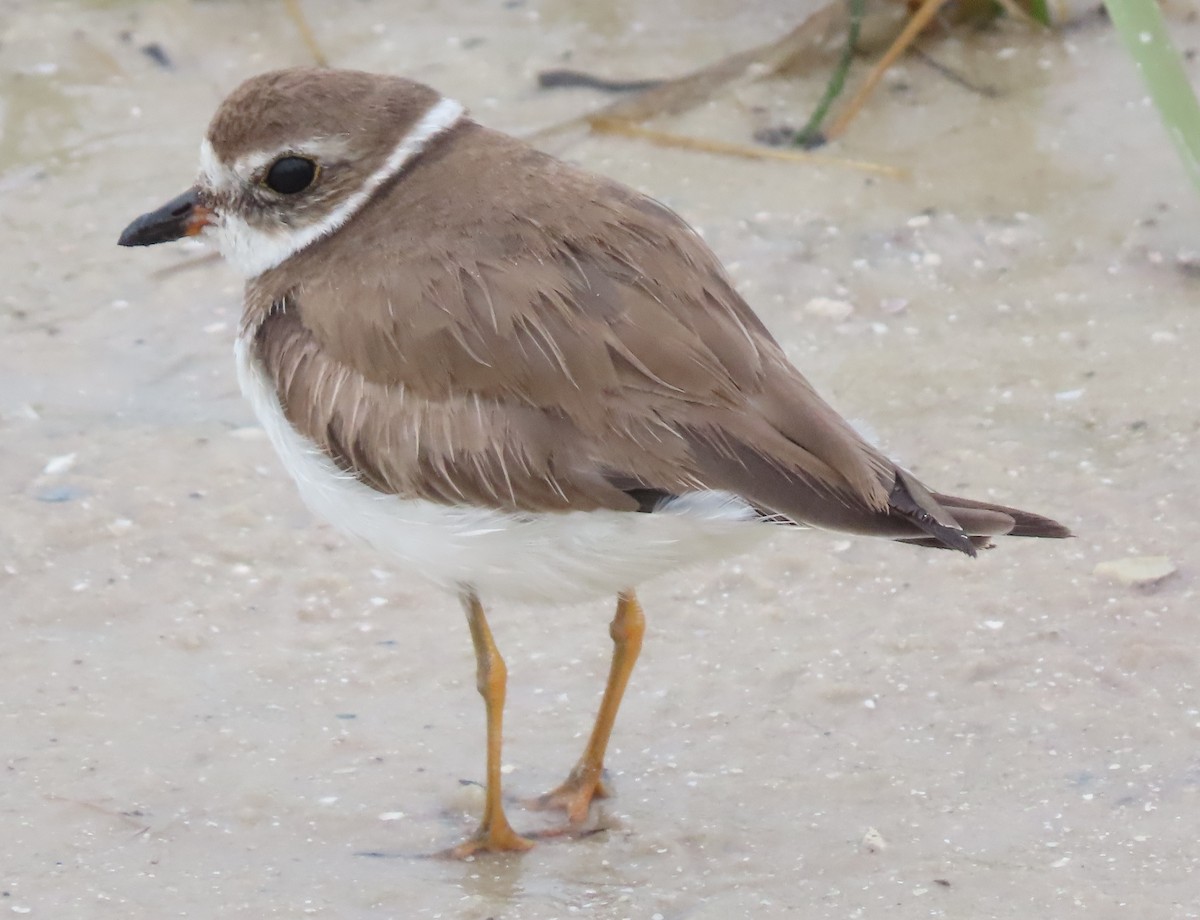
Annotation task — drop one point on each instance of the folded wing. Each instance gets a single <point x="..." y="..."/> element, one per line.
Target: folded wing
<point x="540" y="360"/>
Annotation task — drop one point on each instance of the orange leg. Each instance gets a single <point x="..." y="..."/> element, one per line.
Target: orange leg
<point x="583" y="783"/>
<point x="495" y="834"/>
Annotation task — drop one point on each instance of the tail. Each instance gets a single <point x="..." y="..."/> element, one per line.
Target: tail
<point x="964" y="523"/>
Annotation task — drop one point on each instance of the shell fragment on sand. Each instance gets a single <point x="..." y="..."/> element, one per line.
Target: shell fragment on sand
<point x="1136" y="571"/>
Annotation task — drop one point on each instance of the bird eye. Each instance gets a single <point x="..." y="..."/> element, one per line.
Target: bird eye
<point x="289" y="175"/>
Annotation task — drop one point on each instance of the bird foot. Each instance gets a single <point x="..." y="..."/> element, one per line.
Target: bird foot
<point x="495" y="838"/>
<point x="575" y="795"/>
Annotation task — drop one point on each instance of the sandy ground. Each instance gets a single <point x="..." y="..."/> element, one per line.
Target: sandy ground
<point x="214" y="707"/>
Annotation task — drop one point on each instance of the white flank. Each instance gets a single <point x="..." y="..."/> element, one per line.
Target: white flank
<point x="253" y="251"/>
<point x="553" y="557"/>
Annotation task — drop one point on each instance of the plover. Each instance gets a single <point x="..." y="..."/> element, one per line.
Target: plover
<point x="516" y="378"/>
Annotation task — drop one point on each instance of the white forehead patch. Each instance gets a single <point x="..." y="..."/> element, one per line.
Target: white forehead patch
<point x="252" y="250"/>
<point x="213" y="173"/>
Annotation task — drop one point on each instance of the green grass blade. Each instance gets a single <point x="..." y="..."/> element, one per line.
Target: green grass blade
<point x="810" y="135"/>
<point x="1039" y="11"/>
<point x="1141" y="26"/>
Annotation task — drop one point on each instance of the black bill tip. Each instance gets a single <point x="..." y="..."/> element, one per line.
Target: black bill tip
<point x="179" y="217"/>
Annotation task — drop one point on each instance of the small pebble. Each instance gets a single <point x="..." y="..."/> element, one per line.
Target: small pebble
<point x="119" y="526"/>
<point x="873" y="841"/>
<point x="156" y="53"/>
<point x="829" y="308"/>
<point x="55" y="466"/>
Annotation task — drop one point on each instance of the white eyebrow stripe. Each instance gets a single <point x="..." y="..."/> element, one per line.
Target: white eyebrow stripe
<point x="253" y="251"/>
<point x="247" y="166"/>
<point x="323" y="148"/>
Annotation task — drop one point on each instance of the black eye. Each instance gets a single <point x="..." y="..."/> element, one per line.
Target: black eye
<point x="289" y="175"/>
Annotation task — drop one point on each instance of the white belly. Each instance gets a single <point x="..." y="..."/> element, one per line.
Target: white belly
<point x="534" y="557"/>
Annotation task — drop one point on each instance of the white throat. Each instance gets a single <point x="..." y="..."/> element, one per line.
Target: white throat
<point x="252" y="250"/>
